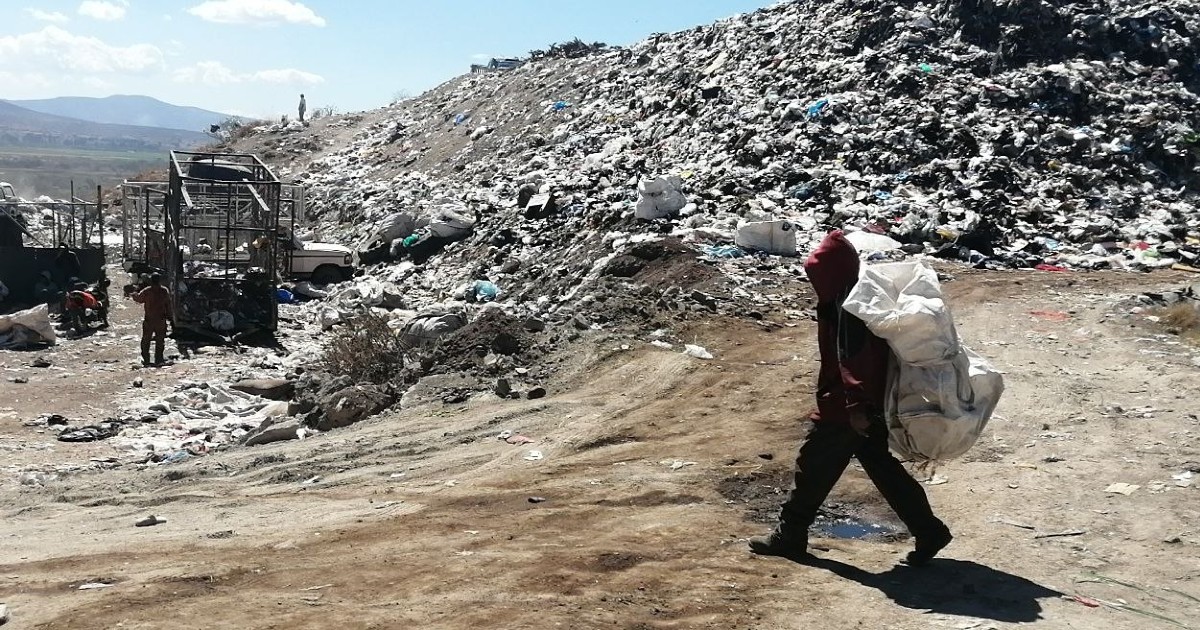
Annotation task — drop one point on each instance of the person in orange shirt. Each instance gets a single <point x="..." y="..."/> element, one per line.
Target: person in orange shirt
<point x="157" y="301"/>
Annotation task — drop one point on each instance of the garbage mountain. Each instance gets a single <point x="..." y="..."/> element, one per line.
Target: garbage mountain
<point x="1001" y="132"/>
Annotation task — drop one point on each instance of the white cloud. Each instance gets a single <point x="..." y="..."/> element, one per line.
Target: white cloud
<point x="19" y="84"/>
<point x="101" y="10"/>
<point x="97" y="83"/>
<point x="288" y="76"/>
<point x="46" y="16"/>
<point x="217" y="73"/>
<point x="256" y="12"/>
<point x="58" y="49"/>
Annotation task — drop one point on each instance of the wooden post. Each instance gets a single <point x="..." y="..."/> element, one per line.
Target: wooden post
<point x="71" y="230"/>
<point x="100" y="220"/>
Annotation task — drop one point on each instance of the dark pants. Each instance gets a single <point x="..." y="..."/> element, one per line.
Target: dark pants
<point x="155" y="331"/>
<point x="823" y="458"/>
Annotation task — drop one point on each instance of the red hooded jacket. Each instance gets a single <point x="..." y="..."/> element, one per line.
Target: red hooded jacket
<point x="854" y="362"/>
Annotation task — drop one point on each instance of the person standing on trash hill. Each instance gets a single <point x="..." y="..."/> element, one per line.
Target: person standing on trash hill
<point x="849" y="420"/>
<point x="157" y="301"/>
<point x="301" y="109"/>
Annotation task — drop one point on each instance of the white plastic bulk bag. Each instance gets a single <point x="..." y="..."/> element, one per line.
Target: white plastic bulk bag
<point x="772" y="237"/>
<point x="940" y="394"/>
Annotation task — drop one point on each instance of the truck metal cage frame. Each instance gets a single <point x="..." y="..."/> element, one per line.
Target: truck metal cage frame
<point x="222" y="253"/>
<point x="144" y="224"/>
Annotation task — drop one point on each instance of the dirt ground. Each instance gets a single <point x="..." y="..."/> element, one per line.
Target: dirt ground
<point x="656" y="468"/>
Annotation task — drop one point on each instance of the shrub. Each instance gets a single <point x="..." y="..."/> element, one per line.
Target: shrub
<point x="1182" y="319"/>
<point x="367" y="350"/>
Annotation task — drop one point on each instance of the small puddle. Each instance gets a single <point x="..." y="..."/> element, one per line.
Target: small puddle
<point x="850" y="528"/>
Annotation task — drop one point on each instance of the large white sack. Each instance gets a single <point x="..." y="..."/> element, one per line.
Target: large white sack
<point x="659" y="198"/>
<point x="772" y="237"/>
<point x="940" y="394"/>
<point x="938" y="413"/>
<point x="864" y="242"/>
<point x="902" y="302"/>
<point x="426" y="329"/>
<point x="397" y="225"/>
<point x="27" y="327"/>
<point x="450" y="222"/>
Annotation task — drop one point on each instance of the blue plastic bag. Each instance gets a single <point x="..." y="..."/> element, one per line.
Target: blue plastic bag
<point x="485" y="291"/>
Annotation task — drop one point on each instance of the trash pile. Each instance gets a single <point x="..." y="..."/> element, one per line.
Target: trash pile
<point x="194" y="420"/>
<point x="1000" y="134"/>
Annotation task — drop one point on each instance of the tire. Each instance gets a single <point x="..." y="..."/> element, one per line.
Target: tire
<point x="327" y="274"/>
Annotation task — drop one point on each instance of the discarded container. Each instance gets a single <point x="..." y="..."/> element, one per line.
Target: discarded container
<point x="698" y="352"/>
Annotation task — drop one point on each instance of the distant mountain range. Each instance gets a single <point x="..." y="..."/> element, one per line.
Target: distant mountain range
<point x="27" y="128"/>
<point x="142" y="111"/>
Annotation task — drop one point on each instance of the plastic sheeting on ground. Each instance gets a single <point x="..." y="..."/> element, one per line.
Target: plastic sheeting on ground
<point x="26" y="328"/>
<point x="940" y="394"/>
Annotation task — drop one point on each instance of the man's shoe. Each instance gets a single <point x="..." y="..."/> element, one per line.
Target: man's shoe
<point x="927" y="547"/>
<point x="779" y="544"/>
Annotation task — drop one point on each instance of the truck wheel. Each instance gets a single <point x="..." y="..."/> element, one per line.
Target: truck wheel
<point x="327" y="274"/>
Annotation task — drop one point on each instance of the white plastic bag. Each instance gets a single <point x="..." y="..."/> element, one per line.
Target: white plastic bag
<point x="940" y="394"/>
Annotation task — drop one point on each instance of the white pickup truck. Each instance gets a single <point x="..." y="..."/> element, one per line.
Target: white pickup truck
<point x="322" y="263"/>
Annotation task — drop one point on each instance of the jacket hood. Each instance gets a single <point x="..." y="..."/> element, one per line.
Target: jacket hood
<point x="832" y="268"/>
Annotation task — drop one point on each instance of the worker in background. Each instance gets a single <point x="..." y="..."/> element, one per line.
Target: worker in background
<point x="157" y="301"/>
<point x="66" y="266"/>
<point x="46" y="291"/>
<point x="302" y="108"/>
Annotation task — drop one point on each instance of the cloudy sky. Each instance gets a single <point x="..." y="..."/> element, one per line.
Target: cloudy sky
<point x="253" y="57"/>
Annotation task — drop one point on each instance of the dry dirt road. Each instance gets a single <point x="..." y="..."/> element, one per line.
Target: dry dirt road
<point x="656" y="468"/>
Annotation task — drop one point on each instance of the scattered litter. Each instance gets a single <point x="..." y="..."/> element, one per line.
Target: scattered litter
<point x="677" y="464"/>
<point x="1183" y="479"/>
<point x="1122" y="488"/>
<point x="150" y="521"/>
<point x="1062" y="534"/>
<point x="537" y="499"/>
<point x="1086" y="601"/>
<point x="94" y="585"/>
<point x="936" y="480"/>
<point x="697" y="352"/>
<point x="1053" y="316"/>
<point x="534" y="456"/>
<point x="1005" y="521"/>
